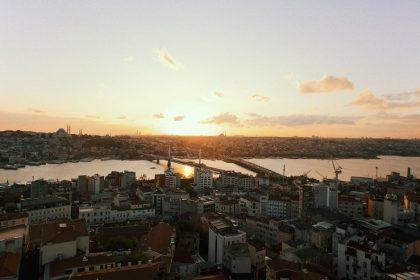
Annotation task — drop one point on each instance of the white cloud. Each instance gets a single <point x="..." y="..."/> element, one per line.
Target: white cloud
<point x="299" y="120"/>
<point x="36" y="111"/>
<point x="167" y="59"/>
<point x="179" y="118"/>
<point x="93" y="117"/>
<point x="260" y="97"/>
<point x="224" y="118"/>
<point x="326" y="84"/>
<point x="368" y="101"/>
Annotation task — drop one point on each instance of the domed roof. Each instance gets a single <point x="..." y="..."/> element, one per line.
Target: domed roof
<point x="61" y="131"/>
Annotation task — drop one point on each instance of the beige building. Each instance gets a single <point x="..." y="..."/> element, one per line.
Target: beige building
<point x="376" y="207"/>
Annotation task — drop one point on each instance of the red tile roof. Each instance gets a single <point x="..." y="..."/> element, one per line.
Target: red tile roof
<point x="141" y="271"/>
<point x="9" y="264"/>
<point x="159" y="238"/>
<point x="57" y="232"/>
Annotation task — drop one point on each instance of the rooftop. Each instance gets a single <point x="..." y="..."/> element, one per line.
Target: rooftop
<point x="159" y="238"/>
<point x="58" y="267"/>
<point x="57" y="232"/>
<point x="9" y="265"/>
<point x="43" y="202"/>
<point x="12" y="232"/>
<point x="12" y="215"/>
<point x="141" y="271"/>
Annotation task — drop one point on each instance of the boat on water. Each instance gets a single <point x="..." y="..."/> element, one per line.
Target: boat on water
<point x="153" y="167"/>
<point x="86" y="159"/>
<point x="10" y="167"/>
<point x="56" y="161"/>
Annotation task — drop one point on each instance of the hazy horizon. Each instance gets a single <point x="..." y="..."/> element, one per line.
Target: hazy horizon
<point x="251" y="68"/>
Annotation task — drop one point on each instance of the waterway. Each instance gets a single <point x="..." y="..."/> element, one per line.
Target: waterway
<point x="316" y="168"/>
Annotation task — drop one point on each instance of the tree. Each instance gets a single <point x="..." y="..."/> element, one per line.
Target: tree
<point x="121" y="243"/>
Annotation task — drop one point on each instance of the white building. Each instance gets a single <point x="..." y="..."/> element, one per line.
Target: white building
<point x="254" y="204"/>
<point x="222" y="233"/>
<point x="172" y="179"/>
<point x="279" y="207"/>
<point x="98" y="183"/>
<point x="229" y="179"/>
<point x="59" y="240"/>
<point x="394" y="212"/>
<point x="237" y="261"/>
<point x="11" y="239"/>
<point x="359" y="260"/>
<point x="98" y="215"/>
<point x="325" y="196"/>
<point x="203" y="179"/>
<point x="45" y="209"/>
<point x="127" y="178"/>
<point x="246" y="182"/>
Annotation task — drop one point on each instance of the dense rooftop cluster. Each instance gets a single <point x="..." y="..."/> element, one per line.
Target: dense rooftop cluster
<point x="212" y="226"/>
<point x="18" y="148"/>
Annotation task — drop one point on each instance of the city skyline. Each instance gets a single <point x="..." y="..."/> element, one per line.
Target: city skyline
<point x="266" y="68"/>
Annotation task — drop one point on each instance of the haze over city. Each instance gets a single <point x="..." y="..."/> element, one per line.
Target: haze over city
<point x="254" y="68"/>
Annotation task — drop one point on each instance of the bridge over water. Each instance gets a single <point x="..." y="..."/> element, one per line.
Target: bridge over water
<point x="262" y="171"/>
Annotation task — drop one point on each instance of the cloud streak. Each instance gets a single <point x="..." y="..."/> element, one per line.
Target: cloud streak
<point x="325" y="84"/>
<point x="159" y="116"/>
<point x="368" y="101"/>
<point x="167" y="59"/>
<point x="257" y="120"/>
<point x="95" y="117"/>
<point x="36" y="111"/>
<point x="299" y="120"/>
<point x="224" y="118"/>
<point x="260" y="97"/>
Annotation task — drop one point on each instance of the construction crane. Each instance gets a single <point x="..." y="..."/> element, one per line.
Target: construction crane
<point x="305" y="174"/>
<point x="337" y="169"/>
<point x="322" y="176"/>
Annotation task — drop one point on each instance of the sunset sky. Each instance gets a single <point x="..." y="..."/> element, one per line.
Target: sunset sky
<point x="277" y="68"/>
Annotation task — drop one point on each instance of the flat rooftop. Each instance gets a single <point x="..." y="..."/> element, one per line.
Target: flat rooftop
<point x="12" y="232"/>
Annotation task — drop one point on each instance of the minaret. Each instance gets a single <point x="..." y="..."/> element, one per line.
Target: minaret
<point x="199" y="158"/>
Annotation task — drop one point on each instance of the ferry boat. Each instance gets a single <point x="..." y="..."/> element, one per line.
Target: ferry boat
<point x="10" y="167"/>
